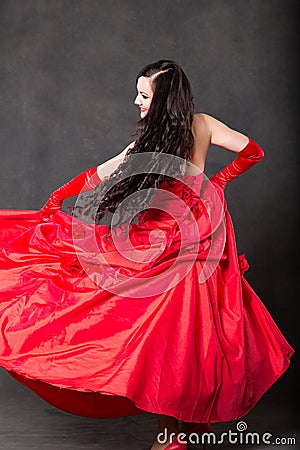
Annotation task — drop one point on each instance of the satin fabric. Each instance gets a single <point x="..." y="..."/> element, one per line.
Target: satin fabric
<point x="201" y="351"/>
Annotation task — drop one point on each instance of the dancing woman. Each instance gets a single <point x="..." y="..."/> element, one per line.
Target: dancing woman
<point x="194" y="353"/>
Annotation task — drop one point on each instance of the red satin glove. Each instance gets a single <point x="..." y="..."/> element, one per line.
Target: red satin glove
<point x="83" y="182"/>
<point x="246" y="158"/>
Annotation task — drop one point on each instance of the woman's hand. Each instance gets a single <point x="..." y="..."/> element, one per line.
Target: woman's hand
<point x="84" y="182"/>
<point x="52" y="206"/>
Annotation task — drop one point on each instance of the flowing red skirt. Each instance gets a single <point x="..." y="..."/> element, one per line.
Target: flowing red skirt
<point x="127" y="335"/>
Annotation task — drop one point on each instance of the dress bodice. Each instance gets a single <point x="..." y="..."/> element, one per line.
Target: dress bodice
<point x="174" y="199"/>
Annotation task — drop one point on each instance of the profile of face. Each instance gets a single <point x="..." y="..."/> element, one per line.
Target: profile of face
<point x="144" y="95"/>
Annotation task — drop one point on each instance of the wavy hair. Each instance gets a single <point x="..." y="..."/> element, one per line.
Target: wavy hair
<point x="167" y="128"/>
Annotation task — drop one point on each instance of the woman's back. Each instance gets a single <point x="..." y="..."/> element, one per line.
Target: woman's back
<point x="201" y="133"/>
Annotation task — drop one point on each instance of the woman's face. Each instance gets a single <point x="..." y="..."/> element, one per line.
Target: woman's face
<point x="144" y="95"/>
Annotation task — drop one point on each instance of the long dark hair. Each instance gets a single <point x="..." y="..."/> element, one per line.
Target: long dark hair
<point x="167" y="128"/>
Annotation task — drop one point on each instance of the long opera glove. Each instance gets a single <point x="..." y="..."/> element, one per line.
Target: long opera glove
<point x="83" y="182"/>
<point x="246" y="158"/>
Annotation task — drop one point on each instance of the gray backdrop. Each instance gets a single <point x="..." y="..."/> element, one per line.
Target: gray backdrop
<point x="67" y="77"/>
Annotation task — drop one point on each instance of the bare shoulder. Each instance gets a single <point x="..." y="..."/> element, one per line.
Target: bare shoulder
<point x="199" y="119"/>
<point x="201" y="126"/>
<point x="207" y="120"/>
<point x="223" y="135"/>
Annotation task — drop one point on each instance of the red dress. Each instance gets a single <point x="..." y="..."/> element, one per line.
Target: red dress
<point x="164" y="323"/>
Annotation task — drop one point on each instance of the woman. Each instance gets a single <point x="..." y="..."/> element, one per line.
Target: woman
<point x="164" y="321"/>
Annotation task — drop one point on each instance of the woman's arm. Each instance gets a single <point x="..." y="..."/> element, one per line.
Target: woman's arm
<point x="249" y="152"/>
<point x="222" y="135"/>
<point x="108" y="167"/>
<point x="85" y="181"/>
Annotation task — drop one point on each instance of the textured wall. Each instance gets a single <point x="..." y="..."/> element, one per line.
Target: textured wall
<point x="67" y="80"/>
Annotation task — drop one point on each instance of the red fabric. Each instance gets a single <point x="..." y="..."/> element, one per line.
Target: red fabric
<point x="203" y="350"/>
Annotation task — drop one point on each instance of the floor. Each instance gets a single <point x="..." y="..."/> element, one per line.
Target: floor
<point x="27" y="422"/>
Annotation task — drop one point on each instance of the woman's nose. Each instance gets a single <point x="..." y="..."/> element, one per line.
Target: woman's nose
<point x="137" y="101"/>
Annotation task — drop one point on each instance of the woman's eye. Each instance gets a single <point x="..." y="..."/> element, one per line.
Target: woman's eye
<point x="144" y="96"/>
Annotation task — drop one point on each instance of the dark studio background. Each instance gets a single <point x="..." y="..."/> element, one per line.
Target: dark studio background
<point x="67" y="85"/>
